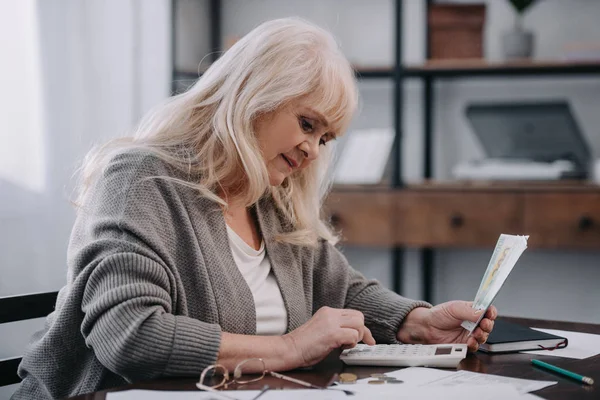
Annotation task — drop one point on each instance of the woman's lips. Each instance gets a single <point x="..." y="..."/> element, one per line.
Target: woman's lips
<point x="290" y="161"/>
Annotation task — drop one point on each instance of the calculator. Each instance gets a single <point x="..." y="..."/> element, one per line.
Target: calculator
<point x="406" y="355"/>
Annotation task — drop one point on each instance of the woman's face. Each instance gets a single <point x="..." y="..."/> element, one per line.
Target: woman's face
<point x="289" y="140"/>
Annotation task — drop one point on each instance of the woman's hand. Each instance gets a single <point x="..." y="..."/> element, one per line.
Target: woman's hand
<point x="441" y="324"/>
<point x="328" y="329"/>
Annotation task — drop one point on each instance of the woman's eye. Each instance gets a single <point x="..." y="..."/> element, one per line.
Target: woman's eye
<point x="306" y="126"/>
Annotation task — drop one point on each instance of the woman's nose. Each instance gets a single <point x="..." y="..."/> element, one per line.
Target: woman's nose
<point x="310" y="148"/>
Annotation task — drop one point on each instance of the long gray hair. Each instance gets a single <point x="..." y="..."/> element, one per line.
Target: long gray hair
<point x="208" y="130"/>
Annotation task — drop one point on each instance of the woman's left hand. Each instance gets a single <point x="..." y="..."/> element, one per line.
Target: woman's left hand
<point x="441" y="324"/>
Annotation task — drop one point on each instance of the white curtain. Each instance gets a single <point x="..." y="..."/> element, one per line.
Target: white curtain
<point x="72" y="73"/>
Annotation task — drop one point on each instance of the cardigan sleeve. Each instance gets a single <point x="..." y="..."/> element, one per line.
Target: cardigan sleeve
<point x="337" y="284"/>
<point x="129" y="291"/>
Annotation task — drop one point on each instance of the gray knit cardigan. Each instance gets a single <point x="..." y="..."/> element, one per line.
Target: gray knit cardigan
<point x="152" y="283"/>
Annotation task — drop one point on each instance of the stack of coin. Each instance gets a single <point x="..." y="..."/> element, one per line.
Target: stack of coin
<point x="380" y="379"/>
<point x="348" y="378"/>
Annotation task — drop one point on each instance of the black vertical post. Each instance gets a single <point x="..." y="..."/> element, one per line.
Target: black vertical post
<point x="173" y="43"/>
<point x="398" y="253"/>
<point x="427" y="255"/>
<point x="215" y="29"/>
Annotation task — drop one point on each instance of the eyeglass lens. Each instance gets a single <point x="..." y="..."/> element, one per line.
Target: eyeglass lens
<point x="214" y="376"/>
<point x="250" y="370"/>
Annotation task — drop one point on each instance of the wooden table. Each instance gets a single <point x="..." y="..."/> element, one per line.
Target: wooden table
<point x="514" y="365"/>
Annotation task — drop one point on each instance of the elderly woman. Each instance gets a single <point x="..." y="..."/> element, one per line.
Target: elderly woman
<point x="199" y="239"/>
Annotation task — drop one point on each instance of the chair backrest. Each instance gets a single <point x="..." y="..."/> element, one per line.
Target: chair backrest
<point x="20" y="308"/>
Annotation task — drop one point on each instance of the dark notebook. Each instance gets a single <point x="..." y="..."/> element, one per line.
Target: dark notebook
<point x="509" y="337"/>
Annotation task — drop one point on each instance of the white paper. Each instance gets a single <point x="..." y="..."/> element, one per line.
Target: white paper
<point x="530" y="396"/>
<point x="413" y="392"/>
<point x="364" y="156"/>
<point x="506" y="253"/>
<point x="405" y="391"/>
<point x="291" y="394"/>
<point x="431" y="377"/>
<point x="397" y="392"/>
<point x="581" y="345"/>
<point x="413" y="375"/>
<point x="473" y="378"/>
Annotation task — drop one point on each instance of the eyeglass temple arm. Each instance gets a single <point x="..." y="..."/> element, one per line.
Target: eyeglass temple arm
<point x="298" y="381"/>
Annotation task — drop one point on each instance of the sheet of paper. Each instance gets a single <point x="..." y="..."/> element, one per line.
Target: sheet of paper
<point x="506" y="253"/>
<point x="529" y="396"/>
<point x="473" y="378"/>
<point x="414" y="375"/>
<point x="408" y="392"/>
<point x="368" y="392"/>
<point x="431" y="377"/>
<point x="301" y="394"/>
<point x="364" y="156"/>
<point x="581" y="345"/>
<point x="413" y="392"/>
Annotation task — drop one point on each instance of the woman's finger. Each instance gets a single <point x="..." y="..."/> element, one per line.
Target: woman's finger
<point x="347" y="337"/>
<point x="492" y="313"/>
<point x="486" y="325"/>
<point x="472" y="344"/>
<point x="479" y="335"/>
<point x="368" y="337"/>
<point x="353" y="320"/>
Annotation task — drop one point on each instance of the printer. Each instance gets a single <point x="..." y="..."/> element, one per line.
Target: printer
<point x="526" y="141"/>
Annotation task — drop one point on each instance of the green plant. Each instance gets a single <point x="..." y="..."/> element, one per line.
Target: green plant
<point x="521" y="5"/>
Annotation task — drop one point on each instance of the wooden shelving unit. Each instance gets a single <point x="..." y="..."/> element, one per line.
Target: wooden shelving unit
<point x="468" y="215"/>
<point x="474" y="68"/>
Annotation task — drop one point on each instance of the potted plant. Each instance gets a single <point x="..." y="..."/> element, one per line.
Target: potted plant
<point x="518" y="43"/>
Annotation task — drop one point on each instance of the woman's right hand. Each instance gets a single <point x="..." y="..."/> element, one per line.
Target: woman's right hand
<point x="329" y="329"/>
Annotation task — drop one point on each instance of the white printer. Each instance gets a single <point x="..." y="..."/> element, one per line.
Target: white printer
<point x="526" y="141"/>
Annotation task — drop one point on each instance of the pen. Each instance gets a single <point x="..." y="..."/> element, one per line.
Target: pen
<point x="580" y="378"/>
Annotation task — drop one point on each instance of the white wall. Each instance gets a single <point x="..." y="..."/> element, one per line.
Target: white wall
<point x="102" y="63"/>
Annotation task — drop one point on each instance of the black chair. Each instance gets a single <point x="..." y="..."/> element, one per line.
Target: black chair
<point x="20" y="308"/>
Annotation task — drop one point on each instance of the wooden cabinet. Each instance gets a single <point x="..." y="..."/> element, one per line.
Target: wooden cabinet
<point x="562" y="220"/>
<point x="562" y="217"/>
<point x="363" y="218"/>
<point x="444" y="219"/>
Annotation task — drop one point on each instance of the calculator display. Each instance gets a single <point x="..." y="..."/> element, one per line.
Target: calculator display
<point x="441" y="350"/>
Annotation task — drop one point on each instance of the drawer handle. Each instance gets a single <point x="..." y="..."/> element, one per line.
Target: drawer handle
<point x="336" y="220"/>
<point x="456" y="221"/>
<point x="585" y="223"/>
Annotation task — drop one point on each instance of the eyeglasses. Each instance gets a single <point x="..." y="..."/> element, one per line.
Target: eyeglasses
<point x="217" y="376"/>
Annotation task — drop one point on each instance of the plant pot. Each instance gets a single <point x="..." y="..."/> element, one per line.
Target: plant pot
<point x="517" y="43"/>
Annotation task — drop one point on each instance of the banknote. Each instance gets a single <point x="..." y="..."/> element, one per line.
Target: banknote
<point x="504" y="258"/>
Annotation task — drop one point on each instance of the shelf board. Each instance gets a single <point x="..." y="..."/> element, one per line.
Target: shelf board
<point x="467" y="68"/>
<point x="462" y="68"/>
<point x="186" y="75"/>
<point x="511" y="186"/>
<point x="361" y="73"/>
<point x="470" y="186"/>
<point x="372" y="72"/>
<point x="190" y="74"/>
<point x="480" y="67"/>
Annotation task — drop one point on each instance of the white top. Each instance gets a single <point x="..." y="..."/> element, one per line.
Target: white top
<point x="271" y="315"/>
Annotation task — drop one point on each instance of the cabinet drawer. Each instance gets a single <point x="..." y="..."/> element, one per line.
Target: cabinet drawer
<point x="364" y="218"/>
<point x="563" y="220"/>
<point x="438" y="219"/>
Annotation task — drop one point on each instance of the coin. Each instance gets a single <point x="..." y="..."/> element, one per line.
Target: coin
<point x="388" y="378"/>
<point x="395" y="381"/>
<point x="376" y="382"/>
<point x="348" y="378"/>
